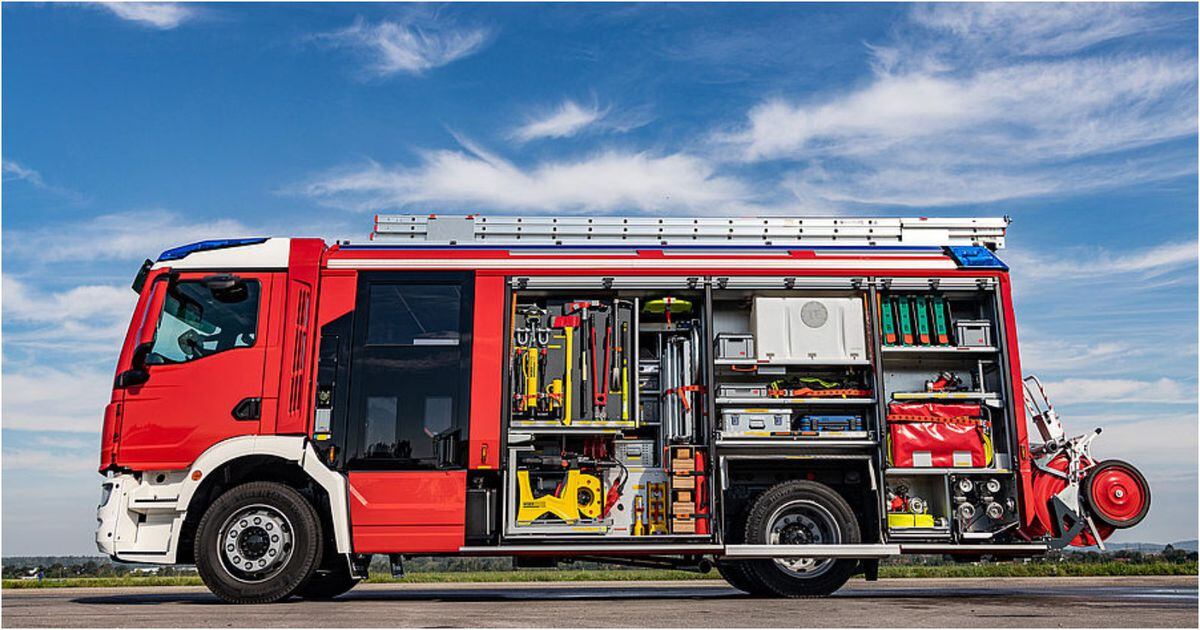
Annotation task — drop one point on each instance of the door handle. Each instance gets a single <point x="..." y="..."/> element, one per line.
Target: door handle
<point x="248" y="409"/>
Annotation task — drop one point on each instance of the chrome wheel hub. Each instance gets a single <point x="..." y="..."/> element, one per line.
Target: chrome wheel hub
<point x="255" y="543"/>
<point x="803" y="522"/>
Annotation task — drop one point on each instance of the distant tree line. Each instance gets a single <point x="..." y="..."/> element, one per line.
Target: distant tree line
<point x="99" y="567"/>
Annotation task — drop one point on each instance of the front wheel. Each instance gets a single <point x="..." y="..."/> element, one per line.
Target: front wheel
<point x="258" y="543"/>
<point x="327" y="584"/>
<point x="802" y="513"/>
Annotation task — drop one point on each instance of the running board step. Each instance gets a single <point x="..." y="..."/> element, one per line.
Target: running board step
<point x="746" y="552"/>
<point x="585" y="549"/>
<point x="1018" y="549"/>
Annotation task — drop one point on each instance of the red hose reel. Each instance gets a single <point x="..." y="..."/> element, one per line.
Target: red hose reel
<point x="1113" y="493"/>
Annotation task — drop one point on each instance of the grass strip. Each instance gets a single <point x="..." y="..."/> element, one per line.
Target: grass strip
<point x="999" y="570"/>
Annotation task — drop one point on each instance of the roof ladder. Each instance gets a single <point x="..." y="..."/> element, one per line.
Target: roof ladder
<point x="508" y="231"/>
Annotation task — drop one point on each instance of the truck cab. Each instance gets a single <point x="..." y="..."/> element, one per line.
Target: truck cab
<point x="786" y="400"/>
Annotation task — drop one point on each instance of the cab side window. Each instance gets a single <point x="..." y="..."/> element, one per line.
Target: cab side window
<point x="198" y="320"/>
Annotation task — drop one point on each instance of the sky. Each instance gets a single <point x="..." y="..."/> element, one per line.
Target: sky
<point x="128" y="129"/>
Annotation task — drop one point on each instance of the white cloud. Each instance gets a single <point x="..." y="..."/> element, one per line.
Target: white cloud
<point x="14" y="171"/>
<point x="119" y="236"/>
<point x="1036" y="28"/>
<point x="395" y="47"/>
<point x="1058" y="355"/>
<point x="52" y="462"/>
<point x="82" y="320"/>
<point x="1138" y="437"/>
<point x="1037" y="111"/>
<point x="567" y="120"/>
<point x="44" y="398"/>
<point x="21" y="303"/>
<point x="954" y="117"/>
<point x="160" y="15"/>
<point x="604" y="182"/>
<point x="1119" y="391"/>
<point x="1102" y="264"/>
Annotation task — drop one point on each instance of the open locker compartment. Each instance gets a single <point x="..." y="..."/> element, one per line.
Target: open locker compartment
<point x="943" y="376"/>
<point x="918" y="508"/>
<point x="939" y="317"/>
<point x="947" y="420"/>
<point x="949" y="392"/>
<point x="605" y="384"/>
<point x="793" y="364"/>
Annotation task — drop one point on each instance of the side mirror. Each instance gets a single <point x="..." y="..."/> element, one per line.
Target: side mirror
<point x="139" y="281"/>
<point x="132" y="377"/>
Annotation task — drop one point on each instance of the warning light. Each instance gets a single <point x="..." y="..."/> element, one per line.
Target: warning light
<point x="196" y="475"/>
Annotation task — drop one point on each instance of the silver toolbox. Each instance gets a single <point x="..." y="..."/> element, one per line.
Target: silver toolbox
<point x="755" y="422"/>
<point x="636" y="453"/>
<point x="735" y="346"/>
<point x="973" y="333"/>
<point x="742" y="390"/>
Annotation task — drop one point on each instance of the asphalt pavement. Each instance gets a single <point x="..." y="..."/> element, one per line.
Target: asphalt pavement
<point x="972" y="603"/>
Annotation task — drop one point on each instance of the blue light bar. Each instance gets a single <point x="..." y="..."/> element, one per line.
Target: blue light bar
<point x="175" y="253"/>
<point x="975" y="257"/>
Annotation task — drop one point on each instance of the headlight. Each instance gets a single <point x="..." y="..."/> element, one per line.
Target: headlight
<point x="106" y="489"/>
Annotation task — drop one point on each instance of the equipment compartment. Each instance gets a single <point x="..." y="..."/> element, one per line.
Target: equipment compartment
<point x="917" y="508"/>
<point x="946" y="418"/>
<point x="605" y="387"/>
<point x="810" y="376"/>
<point x="571" y="363"/>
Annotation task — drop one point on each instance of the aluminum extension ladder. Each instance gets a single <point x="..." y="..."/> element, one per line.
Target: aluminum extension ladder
<point x="656" y="232"/>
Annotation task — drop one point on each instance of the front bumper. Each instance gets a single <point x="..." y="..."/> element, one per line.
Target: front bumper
<point x="133" y="525"/>
<point x="107" y="513"/>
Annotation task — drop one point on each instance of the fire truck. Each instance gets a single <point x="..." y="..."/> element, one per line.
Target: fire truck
<point x="786" y="400"/>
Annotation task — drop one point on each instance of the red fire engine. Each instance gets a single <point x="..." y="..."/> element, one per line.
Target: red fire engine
<point x="788" y="400"/>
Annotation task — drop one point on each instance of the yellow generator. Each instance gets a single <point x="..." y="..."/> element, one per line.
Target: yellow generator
<point x="579" y="497"/>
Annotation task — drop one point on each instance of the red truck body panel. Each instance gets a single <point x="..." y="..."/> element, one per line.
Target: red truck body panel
<point x="408" y="511"/>
<point x="487" y="367"/>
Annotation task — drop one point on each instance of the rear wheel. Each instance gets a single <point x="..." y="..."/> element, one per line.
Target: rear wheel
<point x="741" y="576"/>
<point x="802" y="513"/>
<point x="738" y="573"/>
<point x="258" y="543"/>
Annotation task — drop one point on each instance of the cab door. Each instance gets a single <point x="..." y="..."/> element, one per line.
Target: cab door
<point x="409" y="398"/>
<point x="201" y="378"/>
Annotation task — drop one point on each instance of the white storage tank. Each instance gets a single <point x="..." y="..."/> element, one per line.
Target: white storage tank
<point x="809" y="330"/>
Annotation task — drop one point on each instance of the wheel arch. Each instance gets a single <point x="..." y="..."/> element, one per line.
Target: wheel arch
<point x="289" y="460"/>
<point x="852" y="479"/>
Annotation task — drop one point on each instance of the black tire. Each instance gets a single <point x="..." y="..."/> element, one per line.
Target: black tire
<point x="737" y="572"/>
<point x="778" y="516"/>
<point x="1134" y="476"/>
<point x="293" y="543"/>
<point x="742" y="577"/>
<point x="328" y="583"/>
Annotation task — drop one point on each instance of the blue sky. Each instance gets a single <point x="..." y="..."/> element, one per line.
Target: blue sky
<point x="128" y="129"/>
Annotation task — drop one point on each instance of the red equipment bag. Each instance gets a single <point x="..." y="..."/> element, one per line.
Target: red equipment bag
<point x="923" y="435"/>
